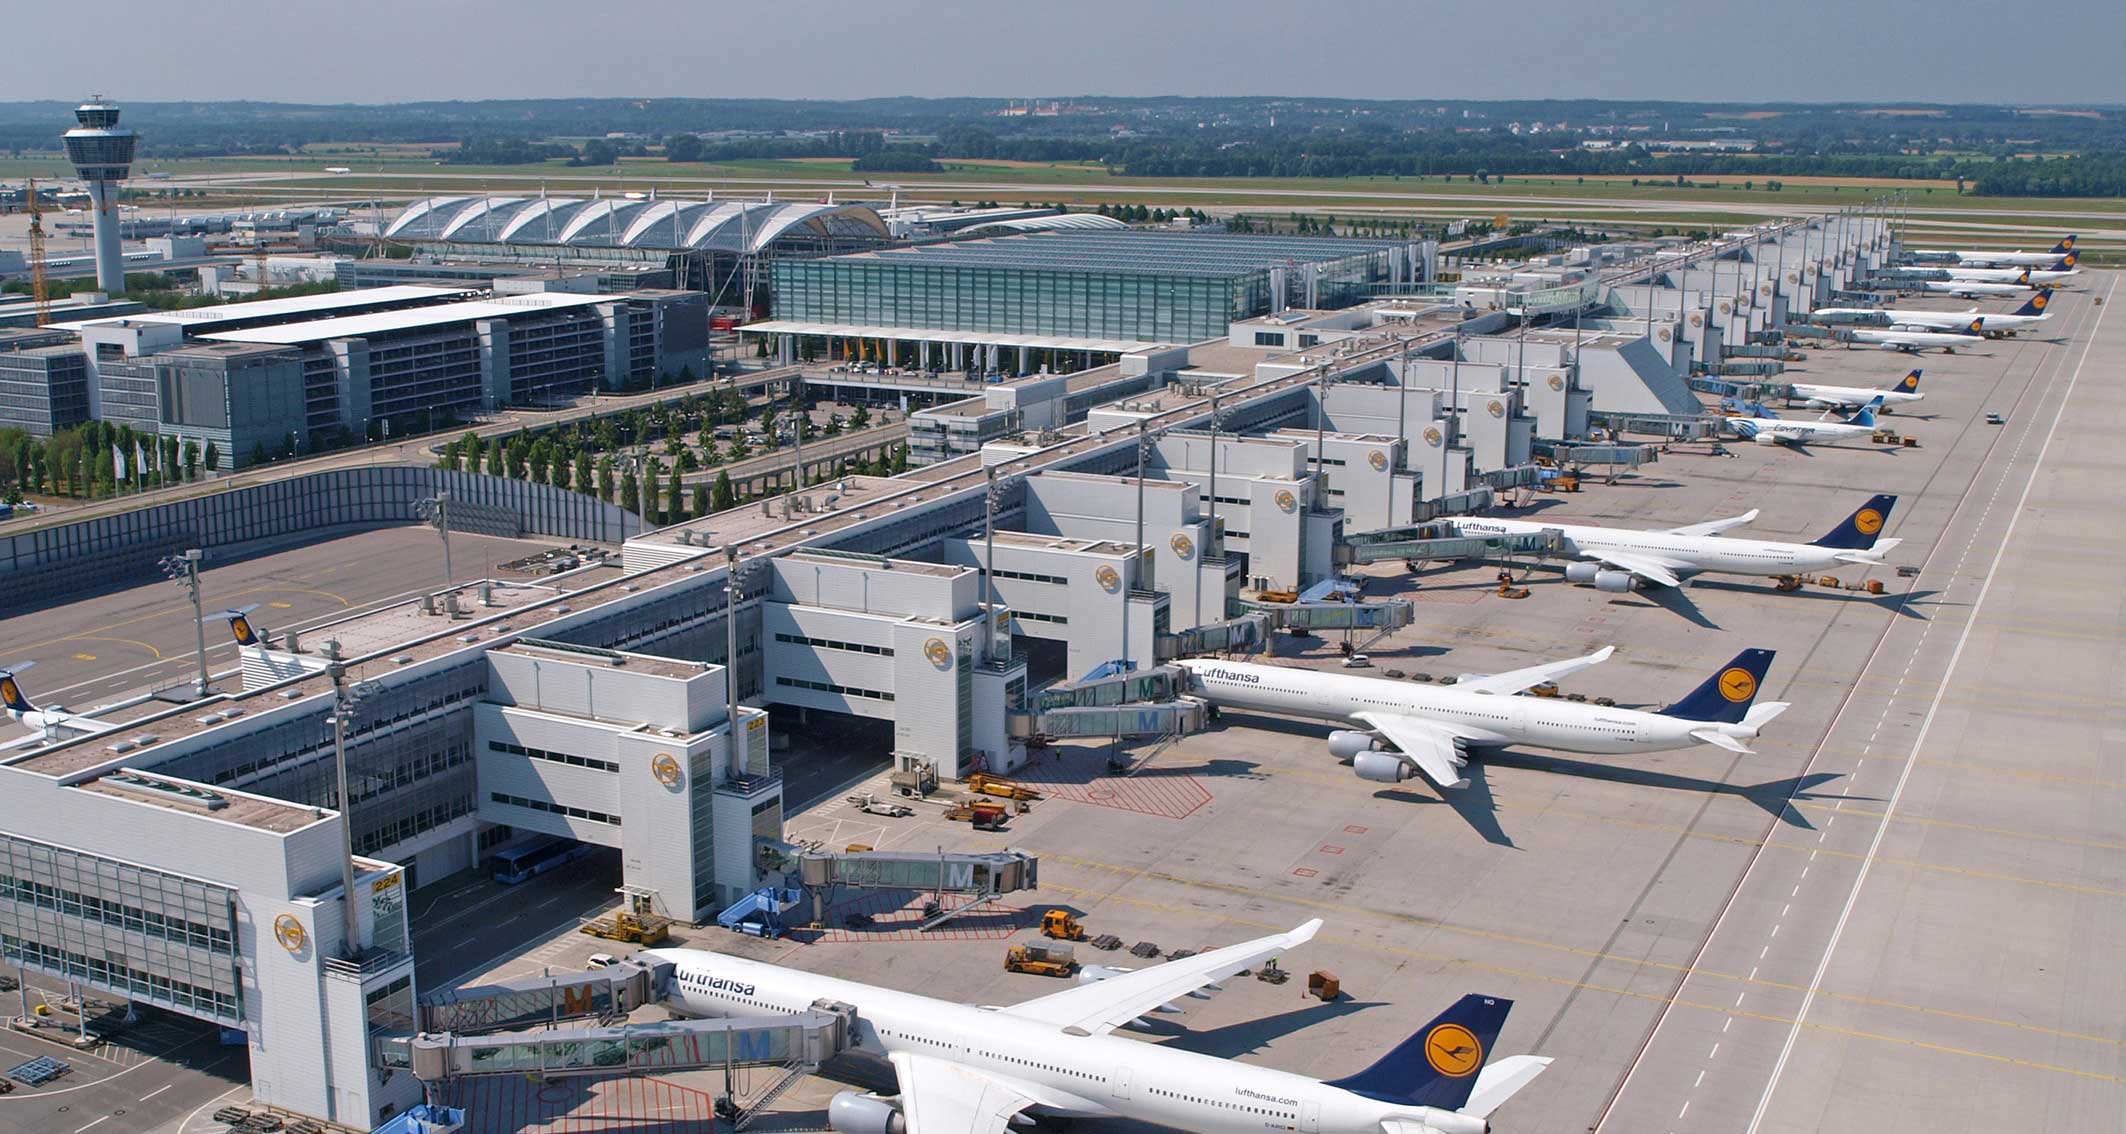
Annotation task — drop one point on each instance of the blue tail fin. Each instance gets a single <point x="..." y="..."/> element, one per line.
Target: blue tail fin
<point x="1858" y="531"/>
<point x="2036" y="304"/>
<point x="1909" y="384"/>
<point x="1437" y="1065"/>
<point x="1866" y="416"/>
<point x="11" y="695"/>
<point x="2065" y="245"/>
<point x="1726" y="695"/>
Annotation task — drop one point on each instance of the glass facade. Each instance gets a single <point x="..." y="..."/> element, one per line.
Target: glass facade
<point x="1137" y="286"/>
<point x="161" y="937"/>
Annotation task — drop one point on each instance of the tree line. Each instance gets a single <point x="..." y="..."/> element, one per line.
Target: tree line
<point x="98" y="460"/>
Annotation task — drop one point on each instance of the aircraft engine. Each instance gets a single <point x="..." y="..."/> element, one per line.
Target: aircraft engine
<point x="1581" y="572"/>
<point x="1764" y="438"/>
<point x="1616" y="582"/>
<point x="852" y="1113"/>
<point x="1381" y="767"/>
<point x="1345" y="744"/>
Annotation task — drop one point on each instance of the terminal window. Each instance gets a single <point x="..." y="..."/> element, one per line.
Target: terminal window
<point x="555" y="808"/>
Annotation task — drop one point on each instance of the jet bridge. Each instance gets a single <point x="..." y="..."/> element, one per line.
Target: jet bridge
<point x="1442" y="540"/>
<point x="799" y="1042"/>
<point x="821" y="874"/>
<point x="1113" y="702"/>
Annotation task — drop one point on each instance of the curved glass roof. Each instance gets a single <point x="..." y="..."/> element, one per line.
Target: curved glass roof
<point x="622" y="222"/>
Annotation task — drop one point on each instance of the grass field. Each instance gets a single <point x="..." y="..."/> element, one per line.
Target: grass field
<point x="402" y="172"/>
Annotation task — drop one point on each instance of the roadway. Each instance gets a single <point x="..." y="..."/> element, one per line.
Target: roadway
<point x="1932" y="936"/>
<point x="96" y="650"/>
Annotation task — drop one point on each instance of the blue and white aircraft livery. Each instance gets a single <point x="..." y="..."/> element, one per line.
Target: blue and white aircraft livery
<point x="1905" y="392"/>
<point x="969" y="1070"/>
<point x="1624" y="559"/>
<point x="1406" y="728"/>
<point x="1765" y="428"/>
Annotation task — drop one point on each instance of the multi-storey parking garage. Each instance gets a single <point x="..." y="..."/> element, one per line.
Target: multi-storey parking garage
<point x="623" y="706"/>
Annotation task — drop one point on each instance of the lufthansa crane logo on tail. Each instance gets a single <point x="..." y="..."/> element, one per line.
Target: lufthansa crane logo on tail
<point x="241" y="627"/>
<point x="10" y="693"/>
<point x="2040" y="300"/>
<point x="1911" y="381"/>
<point x="1738" y="684"/>
<point x="1454" y="1051"/>
<point x="1868" y="521"/>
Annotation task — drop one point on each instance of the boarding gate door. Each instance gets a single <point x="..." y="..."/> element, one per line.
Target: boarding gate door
<point x="1309" y="1115"/>
<point x="1118" y="1083"/>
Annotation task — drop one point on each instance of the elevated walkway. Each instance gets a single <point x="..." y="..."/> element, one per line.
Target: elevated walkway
<point x="1442" y="540"/>
<point x="798" y="1042"/>
<point x="821" y="875"/>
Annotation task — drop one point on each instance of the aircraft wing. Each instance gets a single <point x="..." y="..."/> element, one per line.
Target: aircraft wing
<point x="1429" y="746"/>
<point x="940" y="1097"/>
<point x="1103" y="1006"/>
<point x="1518" y="680"/>
<point x="1651" y="568"/>
<point x="1714" y="527"/>
<point x="1500" y="1080"/>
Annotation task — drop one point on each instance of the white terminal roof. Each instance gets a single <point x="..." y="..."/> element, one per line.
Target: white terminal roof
<point x="411" y="319"/>
<point x="277" y="308"/>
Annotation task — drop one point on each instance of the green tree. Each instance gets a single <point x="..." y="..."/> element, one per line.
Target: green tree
<point x="213" y="456"/>
<point x="722" y="496"/>
<point x="497" y="460"/>
<point x="861" y="418"/>
<point x="683" y="147"/>
<point x="605" y="479"/>
<point x="629" y="489"/>
<point x="581" y="481"/>
<point x="191" y="460"/>
<point x="701" y="499"/>
<point x="448" y="458"/>
<point x="675" y="498"/>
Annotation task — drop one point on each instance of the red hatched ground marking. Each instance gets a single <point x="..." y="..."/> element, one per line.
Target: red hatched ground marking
<point x="1327" y="848"/>
<point x="1304" y="872"/>
<point x="1080" y="775"/>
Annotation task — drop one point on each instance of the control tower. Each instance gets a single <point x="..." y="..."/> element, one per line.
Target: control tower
<point x="103" y="156"/>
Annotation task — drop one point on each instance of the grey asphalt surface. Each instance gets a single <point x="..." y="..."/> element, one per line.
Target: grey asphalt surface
<point x="115" y="644"/>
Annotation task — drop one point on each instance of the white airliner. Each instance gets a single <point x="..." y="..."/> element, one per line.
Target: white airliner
<point x="1622" y="559"/>
<point x="968" y="1070"/>
<point x="1431" y="728"/>
<point x="49" y="724"/>
<point x="2053" y="273"/>
<point x="2030" y="314"/>
<point x="1905" y="392"/>
<point x="1913" y="342"/>
<point x="1975" y="289"/>
<point x="1980" y="257"/>
<point x="1765" y="428"/>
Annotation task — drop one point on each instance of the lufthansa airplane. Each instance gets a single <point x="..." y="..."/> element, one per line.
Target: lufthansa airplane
<point x="1623" y="559"/>
<point x="1986" y="258"/>
<point x="1429" y="729"/>
<point x="963" y="1069"/>
<point x="1904" y="393"/>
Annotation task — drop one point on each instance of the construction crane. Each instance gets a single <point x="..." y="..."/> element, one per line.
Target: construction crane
<point x="40" y="284"/>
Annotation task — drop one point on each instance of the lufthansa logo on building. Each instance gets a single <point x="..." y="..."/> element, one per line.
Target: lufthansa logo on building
<point x="1183" y="546"/>
<point x="1454" y="1051"/>
<point x="1868" y="521"/>
<point x="1664" y="334"/>
<point x="1432" y="436"/>
<point x="1286" y="500"/>
<point x="665" y="768"/>
<point x="1725" y="308"/>
<point x="1697" y="320"/>
<point x="1738" y="684"/>
<point x="1107" y="577"/>
<point x="289" y="932"/>
<point x="1557" y="381"/>
<point x="1377" y="459"/>
<point x="1793" y="277"/>
<point x="1496" y="408"/>
<point x="937" y="651"/>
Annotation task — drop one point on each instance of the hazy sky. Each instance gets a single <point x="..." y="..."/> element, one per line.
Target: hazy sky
<point x="2028" y="51"/>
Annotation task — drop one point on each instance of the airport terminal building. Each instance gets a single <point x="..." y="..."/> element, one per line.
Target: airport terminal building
<point x="189" y="854"/>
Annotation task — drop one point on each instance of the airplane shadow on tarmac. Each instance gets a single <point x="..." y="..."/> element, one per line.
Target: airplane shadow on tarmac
<point x="1250" y="1036"/>
<point x="1904" y="605"/>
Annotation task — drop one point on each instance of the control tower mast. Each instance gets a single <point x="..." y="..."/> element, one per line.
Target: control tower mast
<point x="103" y="156"/>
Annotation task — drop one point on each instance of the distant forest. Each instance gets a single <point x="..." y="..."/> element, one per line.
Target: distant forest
<point x="1992" y="150"/>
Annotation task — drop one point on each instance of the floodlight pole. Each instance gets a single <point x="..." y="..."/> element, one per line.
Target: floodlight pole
<point x="342" y="704"/>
